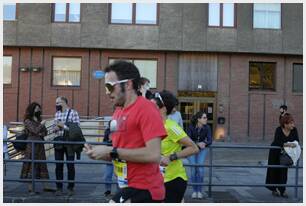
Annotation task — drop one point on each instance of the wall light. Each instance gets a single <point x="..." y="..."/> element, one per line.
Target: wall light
<point x="36" y="69"/>
<point x="24" y="69"/>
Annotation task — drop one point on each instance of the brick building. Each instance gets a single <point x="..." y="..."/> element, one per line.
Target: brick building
<point x="238" y="62"/>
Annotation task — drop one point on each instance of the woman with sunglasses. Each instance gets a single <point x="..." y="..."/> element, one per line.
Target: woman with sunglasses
<point x="200" y="132"/>
<point x="175" y="177"/>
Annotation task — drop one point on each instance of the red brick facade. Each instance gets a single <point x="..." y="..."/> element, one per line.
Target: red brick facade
<point x="250" y="115"/>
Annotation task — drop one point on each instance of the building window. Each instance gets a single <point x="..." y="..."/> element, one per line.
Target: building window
<point x="9" y="12"/>
<point x="66" y="71"/>
<point x="69" y="12"/>
<point x="147" y="68"/>
<point x="7" y="70"/>
<point x="267" y="16"/>
<point x="297" y="81"/>
<point x="221" y="15"/>
<point x="262" y="76"/>
<point x="132" y="13"/>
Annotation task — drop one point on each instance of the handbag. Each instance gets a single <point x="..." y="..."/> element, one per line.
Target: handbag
<point x="21" y="146"/>
<point x="285" y="159"/>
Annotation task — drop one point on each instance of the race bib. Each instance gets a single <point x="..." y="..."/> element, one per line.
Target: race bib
<point x="120" y="169"/>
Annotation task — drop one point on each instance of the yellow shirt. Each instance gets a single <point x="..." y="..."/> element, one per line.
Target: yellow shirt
<point x="171" y="145"/>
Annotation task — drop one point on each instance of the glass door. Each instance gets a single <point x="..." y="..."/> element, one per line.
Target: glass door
<point x="188" y="106"/>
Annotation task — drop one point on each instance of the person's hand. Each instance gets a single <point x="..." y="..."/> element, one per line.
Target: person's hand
<point x="56" y="129"/>
<point x="202" y="145"/>
<point x="97" y="152"/>
<point x="164" y="161"/>
<point x="60" y="124"/>
<point x="43" y="122"/>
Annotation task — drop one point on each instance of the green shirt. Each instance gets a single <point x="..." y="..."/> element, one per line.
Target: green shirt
<point x="171" y="145"/>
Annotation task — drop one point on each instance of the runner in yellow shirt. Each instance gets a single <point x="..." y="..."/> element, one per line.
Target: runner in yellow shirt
<point x="175" y="177"/>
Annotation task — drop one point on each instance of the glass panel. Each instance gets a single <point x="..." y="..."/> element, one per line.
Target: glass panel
<point x="214" y="14"/>
<point x="267" y="16"/>
<point x="187" y="110"/>
<point x="297" y="78"/>
<point x="254" y="79"/>
<point x="9" y="12"/>
<point x="228" y="15"/>
<point x="146" y="13"/>
<point x="66" y="71"/>
<point x="7" y="70"/>
<point x="74" y="12"/>
<point x="268" y="75"/>
<point x="148" y="69"/>
<point x="122" y="13"/>
<point x="110" y="61"/>
<point x="60" y="12"/>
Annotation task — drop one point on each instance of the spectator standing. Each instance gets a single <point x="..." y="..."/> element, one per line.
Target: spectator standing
<point x="176" y="115"/>
<point x="36" y="130"/>
<point x="144" y="89"/>
<point x="199" y="131"/>
<point x="63" y="115"/>
<point x="286" y="132"/>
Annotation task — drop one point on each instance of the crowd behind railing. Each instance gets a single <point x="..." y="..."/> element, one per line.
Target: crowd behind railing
<point x="17" y="156"/>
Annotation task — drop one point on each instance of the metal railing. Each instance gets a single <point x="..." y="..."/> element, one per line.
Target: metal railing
<point x="211" y="165"/>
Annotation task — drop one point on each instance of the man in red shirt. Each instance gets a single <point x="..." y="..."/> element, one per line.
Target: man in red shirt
<point x="137" y="129"/>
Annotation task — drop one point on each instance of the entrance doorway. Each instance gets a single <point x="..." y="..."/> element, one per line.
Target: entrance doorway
<point x="188" y="106"/>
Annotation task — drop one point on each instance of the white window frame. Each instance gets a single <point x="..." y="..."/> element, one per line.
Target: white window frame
<point x="267" y="14"/>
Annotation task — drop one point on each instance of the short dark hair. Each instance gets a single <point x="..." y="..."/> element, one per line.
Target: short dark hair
<point x="169" y="100"/>
<point x="29" y="114"/>
<point x="284" y="107"/>
<point x="286" y="119"/>
<point x="143" y="80"/>
<point x="125" y="70"/>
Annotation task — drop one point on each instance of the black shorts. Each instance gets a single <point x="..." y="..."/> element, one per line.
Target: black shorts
<point x="135" y="195"/>
<point x="175" y="190"/>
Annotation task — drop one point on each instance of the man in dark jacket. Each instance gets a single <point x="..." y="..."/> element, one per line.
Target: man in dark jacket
<point x="63" y="115"/>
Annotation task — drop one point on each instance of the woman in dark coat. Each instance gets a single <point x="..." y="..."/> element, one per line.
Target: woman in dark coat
<point x="285" y="133"/>
<point x="36" y="130"/>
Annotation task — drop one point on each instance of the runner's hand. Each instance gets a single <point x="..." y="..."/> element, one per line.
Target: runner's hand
<point x="202" y="145"/>
<point x="164" y="161"/>
<point x="97" y="152"/>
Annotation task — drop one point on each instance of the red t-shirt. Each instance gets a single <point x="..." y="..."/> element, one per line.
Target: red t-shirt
<point x="137" y="124"/>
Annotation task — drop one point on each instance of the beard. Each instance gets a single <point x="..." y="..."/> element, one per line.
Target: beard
<point x="120" y="100"/>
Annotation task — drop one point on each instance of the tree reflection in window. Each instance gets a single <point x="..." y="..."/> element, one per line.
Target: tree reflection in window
<point x="262" y="76"/>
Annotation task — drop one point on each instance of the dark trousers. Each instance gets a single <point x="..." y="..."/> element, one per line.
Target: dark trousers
<point x="59" y="169"/>
<point x="134" y="195"/>
<point x="175" y="190"/>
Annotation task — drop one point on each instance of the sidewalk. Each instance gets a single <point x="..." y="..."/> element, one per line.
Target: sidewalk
<point x="93" y="193"/>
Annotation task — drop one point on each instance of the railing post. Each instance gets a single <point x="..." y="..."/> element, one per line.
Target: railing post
<point x="296" y="180"/>
<point x="210" y="172"/>
<point x="33" y="166"/>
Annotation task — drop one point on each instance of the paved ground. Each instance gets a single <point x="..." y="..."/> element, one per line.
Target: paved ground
<point x="93" y="193"/>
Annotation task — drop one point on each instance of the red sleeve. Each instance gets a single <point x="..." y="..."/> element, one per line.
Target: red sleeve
<point x="151" y="123"/>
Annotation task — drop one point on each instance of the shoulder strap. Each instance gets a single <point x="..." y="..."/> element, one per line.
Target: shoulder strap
<point x="68" y="115"/>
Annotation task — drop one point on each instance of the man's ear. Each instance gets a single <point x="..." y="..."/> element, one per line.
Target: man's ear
<point x="129" y="85"/>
